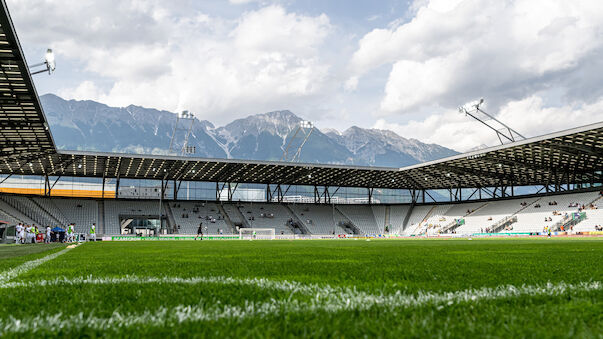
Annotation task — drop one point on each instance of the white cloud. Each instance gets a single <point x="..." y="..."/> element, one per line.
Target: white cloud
<point x="351" y="84"/>
<point x="170" y="56"/>
<point x="453" y="51"/>
<point x="86" y="90"/>
<point x="536" y="62"/>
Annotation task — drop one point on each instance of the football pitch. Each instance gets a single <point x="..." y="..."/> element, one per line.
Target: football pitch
<point x="322" y="288"/>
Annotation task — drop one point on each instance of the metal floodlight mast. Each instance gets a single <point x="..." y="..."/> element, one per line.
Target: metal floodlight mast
<point x="505" y="134"/>
<point x="306" y="128"/>
<point x="49" y="63"/>
<point x="181" y="120"/>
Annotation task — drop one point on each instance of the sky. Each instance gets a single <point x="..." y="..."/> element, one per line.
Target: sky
<point x="400" y="65"/>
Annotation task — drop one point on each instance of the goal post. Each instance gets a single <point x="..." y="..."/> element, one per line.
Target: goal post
<point x="257" y="233"/>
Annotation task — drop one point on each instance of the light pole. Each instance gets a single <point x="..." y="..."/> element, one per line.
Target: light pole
<point x="49" y="63"/>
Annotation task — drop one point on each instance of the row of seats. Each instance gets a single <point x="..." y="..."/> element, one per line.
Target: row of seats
<point x="260" y="215"/>
<point x="28" y="207"/>
<point x="362" y="217"/>
<point x="320" y="219"/>
<point x="188" y="215"/>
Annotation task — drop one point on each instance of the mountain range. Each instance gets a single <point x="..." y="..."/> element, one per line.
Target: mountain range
<point x="92" y="126"/>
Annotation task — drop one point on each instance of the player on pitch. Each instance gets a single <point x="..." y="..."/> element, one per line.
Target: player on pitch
<point x="200" y="231"/>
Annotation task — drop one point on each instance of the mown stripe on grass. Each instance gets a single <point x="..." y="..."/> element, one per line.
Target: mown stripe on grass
<point x="27" y="266"/>
<point x="331" y="303"/>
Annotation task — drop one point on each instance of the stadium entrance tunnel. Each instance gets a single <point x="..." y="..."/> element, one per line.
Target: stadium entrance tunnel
<point x="140" y="225"/>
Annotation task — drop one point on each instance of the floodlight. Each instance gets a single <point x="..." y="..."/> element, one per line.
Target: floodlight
<point x="50" y="62"/>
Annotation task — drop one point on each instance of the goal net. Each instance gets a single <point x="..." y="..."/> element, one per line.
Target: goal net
<point x="256" y="233"/>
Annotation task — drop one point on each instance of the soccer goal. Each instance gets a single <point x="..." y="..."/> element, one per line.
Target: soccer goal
<point x="256" y="233"/>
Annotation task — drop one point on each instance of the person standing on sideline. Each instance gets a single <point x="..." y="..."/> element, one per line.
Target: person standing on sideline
<point x="19" y="233"/>
<point x="93" y="233"/>
<point x="200" y="231"/>
<point x="47" y="239"/>
<point x="70" y="233"/>
<point x="28" y="234"/>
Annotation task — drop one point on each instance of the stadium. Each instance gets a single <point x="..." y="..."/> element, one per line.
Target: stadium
<point x="499" y="242"/>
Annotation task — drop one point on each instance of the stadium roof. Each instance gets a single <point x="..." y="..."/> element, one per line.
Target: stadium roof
<point x="27" y="148"/>
<point x="572" y="156"/>
<point x="23" y="127"/>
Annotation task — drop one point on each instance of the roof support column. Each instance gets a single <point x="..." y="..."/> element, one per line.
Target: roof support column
<point x="103" y="189"/>
<point x="268" y="193"/>
<point x="176" y="189"/>
<point x="279" y="191"/>
<point x="117" y="187"/>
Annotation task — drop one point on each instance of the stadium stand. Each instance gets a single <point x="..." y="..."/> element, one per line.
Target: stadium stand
<point x="594" y="218"/>
<point x="381" y="214"/>
<point x="234" y="214"/>
<point x="533" y="215"/>
<point x="417" y="215"/>
<point x="116" y="209"/>
<point x="362" y="217"/>
<point x="481" y="220"/>
<point x="82" y="212"/>
<point x="188" y="215"/>
<point x="547" y="211"/>
<point x="13" y="215"/>
<point x="31" y="209"/>
<point x="397" y="214"/>
<point x="260" y="215"/>
<point x="318" y="219"/>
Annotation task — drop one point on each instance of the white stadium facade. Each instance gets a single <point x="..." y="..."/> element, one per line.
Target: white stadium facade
<point x="515" y="189"/>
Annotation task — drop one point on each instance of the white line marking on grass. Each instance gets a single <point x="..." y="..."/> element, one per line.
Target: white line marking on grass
<point x="29" y="265"/>
<point x="282" y="285"/>
<point x="331" y="303"/>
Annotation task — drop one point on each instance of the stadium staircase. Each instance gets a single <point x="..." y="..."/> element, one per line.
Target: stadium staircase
<point x="420" y="224"/>
<point x="386" y="222"/>
<point x="101" y="216"/>
<point x="504" y="222"/>
<point x="349" y="224"/>
<point x="243" y="217"/>
<point x="226" y="218"/>
<point x="500" y="225"/>
<point x="453" y="225"/>
<point x="300" y="224"/>
<point x="407" y="217"/>
<point x="171" y="221"/>
<point x="569" y="221"/>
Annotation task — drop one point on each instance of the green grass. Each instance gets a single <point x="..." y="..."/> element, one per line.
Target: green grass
<point x="12" y="255"/>
<point x="357" y="267"/>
